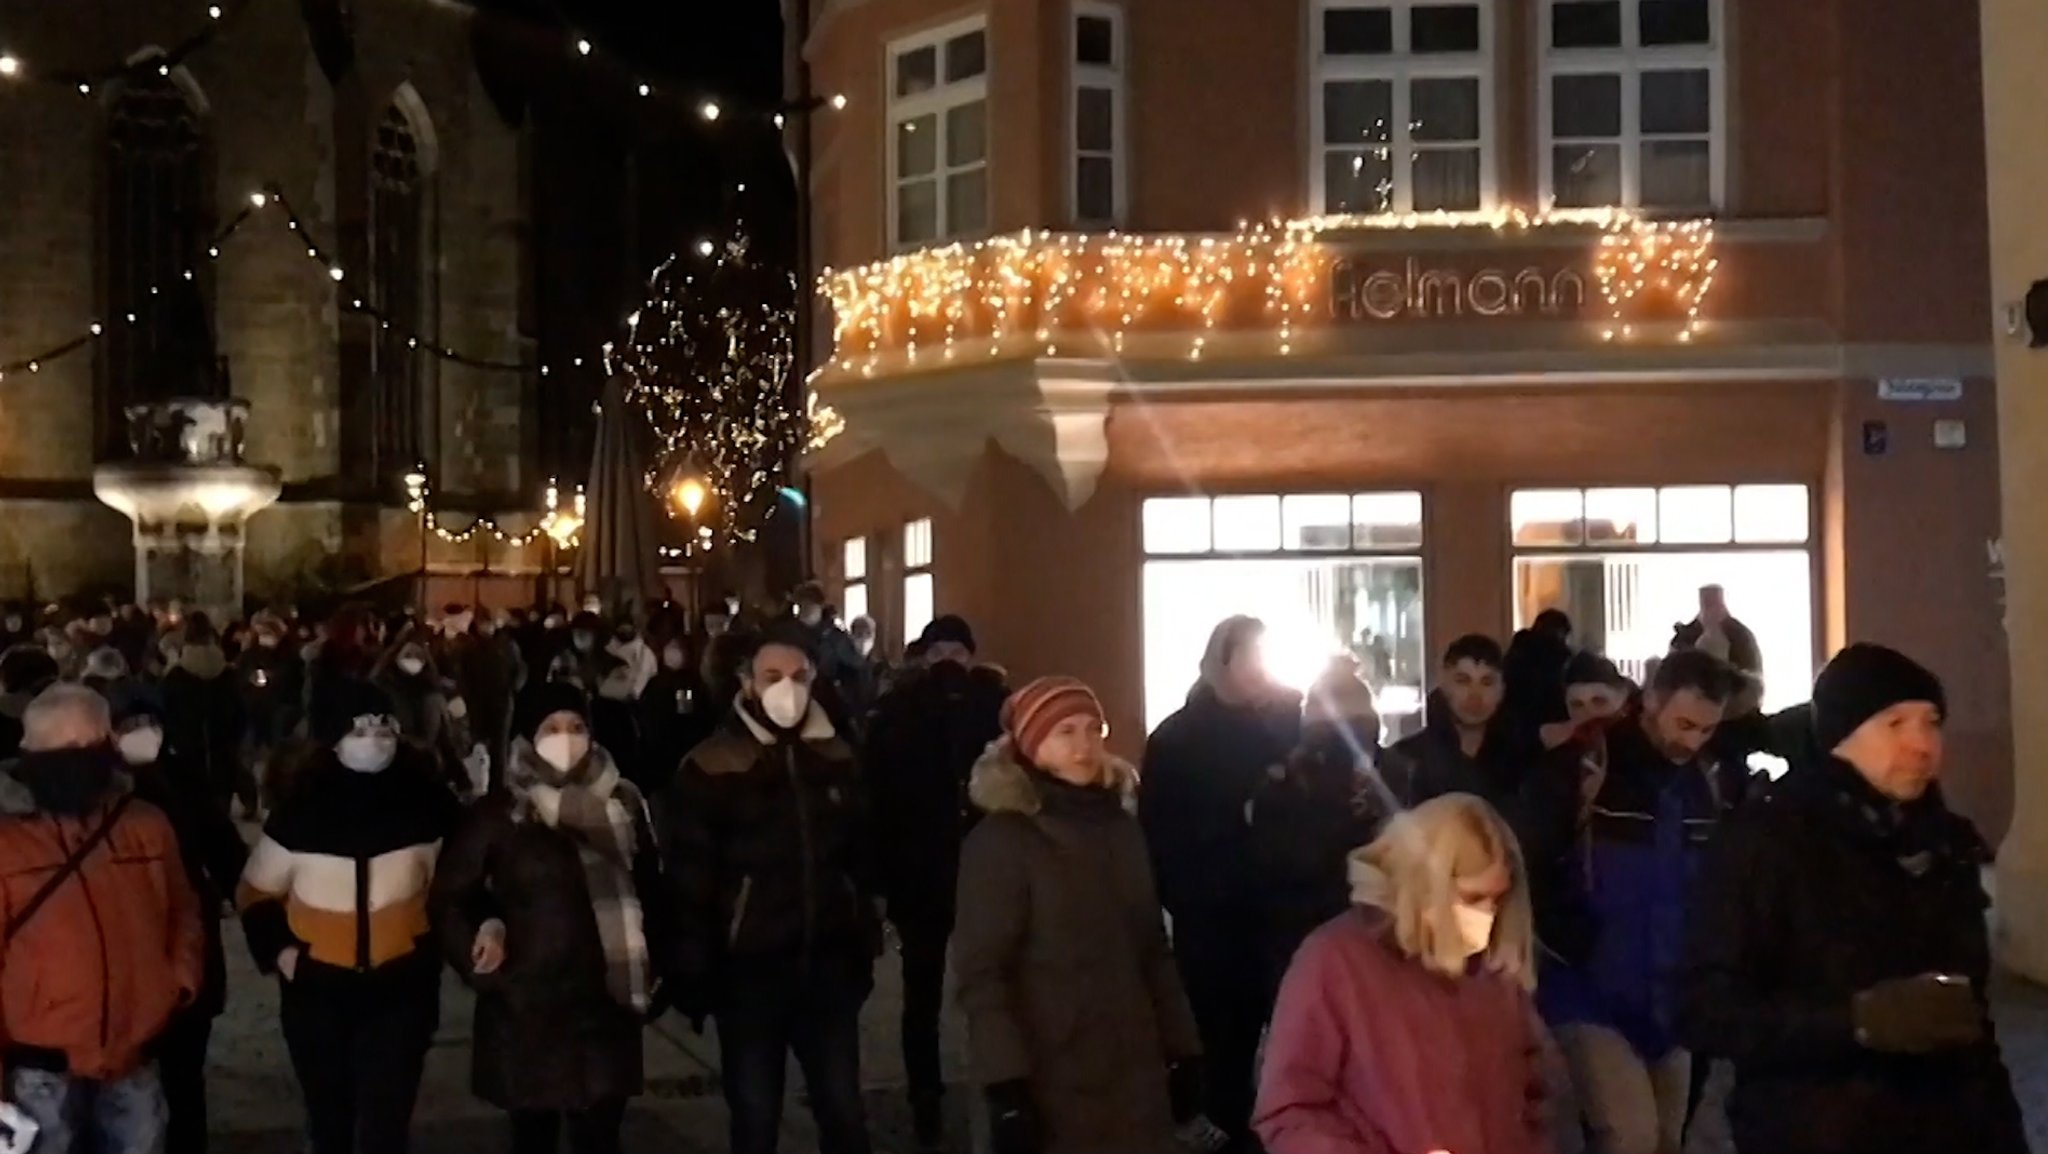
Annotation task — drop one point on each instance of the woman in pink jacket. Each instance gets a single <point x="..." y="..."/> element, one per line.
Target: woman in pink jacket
<point x="1405" y="1026"/>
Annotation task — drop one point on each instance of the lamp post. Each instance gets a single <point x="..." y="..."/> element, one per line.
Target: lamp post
<point x="416" y="501"/>
<point x="690" y="495"/>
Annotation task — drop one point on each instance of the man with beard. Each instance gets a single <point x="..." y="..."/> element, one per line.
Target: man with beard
<point x="103" y="939"/>
<point x="923" y="739"/>
<point x="1613" y="896"/>
<point x="1839" y="952"/>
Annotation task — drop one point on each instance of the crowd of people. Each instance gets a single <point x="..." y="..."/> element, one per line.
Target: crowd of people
<point x="1528" y="928"/>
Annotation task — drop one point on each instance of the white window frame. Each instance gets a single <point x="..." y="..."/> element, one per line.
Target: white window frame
<point x="1399" y="69"/>
<point x="1112" y="79"/>
<point x="1629" y="62"/>
<point x="852" y="578"/>
<point x="917" y="567"/>
<point x="935" y="103"/>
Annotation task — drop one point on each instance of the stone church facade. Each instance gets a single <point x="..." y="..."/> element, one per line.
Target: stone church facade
<point x="376" y="121"/>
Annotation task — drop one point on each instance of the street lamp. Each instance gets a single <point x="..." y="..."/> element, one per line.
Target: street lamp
<point x="690" y="494"/>
<point x="416" y="502"/>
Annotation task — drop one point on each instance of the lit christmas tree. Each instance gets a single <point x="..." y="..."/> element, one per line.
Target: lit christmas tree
<point x="707" y="360"/>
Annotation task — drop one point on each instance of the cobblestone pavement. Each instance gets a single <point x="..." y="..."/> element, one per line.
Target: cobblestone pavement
<point x="256" y="1105"/>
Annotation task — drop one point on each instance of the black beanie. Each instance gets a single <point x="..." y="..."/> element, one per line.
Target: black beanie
<point x="1589" y="668"/>
<point x="1863" y="681"/>
<point x="949" y="629"/>
<point x="339" y="702"/>
<point x="542" y="701"/>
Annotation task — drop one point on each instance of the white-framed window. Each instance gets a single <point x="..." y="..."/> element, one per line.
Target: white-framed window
<point x="1633" y="105"/>
<point x="853" y="579"/>
<point x="938" y="134"/>
<point x="1330" y="574"/>
<point x="919" y="601"/>
<point x="1100" y="156"/>
<point x="1401" y="106"/>
<point x="1627" y="566"/>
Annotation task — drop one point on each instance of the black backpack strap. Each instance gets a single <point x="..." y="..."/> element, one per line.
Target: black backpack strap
<point x="65" y="872"/>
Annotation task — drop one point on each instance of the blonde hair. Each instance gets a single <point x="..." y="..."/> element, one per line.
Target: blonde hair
<point x="1411" y="872"/>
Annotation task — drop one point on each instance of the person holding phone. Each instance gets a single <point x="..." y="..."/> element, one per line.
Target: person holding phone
<point x="1839" y="953"/>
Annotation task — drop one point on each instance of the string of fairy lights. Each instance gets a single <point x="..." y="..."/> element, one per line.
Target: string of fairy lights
<point x="1026" y="292"/>
<point x="217" y="16"/>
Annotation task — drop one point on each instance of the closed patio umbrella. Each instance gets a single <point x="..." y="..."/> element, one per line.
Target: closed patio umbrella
<point x="619" y="558"/>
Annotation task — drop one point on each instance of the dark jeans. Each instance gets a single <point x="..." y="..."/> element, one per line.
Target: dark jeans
<point x="771" y="1011"/>
<point x="359" y="1046"/>
<point x="181" y="1067"/>
<point x="592" y="1131"/>
<point x="1223" y="968"/>
<point x="924" y="991"/>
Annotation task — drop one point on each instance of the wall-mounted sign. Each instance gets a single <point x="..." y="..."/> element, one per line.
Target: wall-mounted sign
<point x="1951" y="434"/>
<point x="1920" y="389"/>
<point x="1367" y="290"/>
<point x="1877" y="437"/>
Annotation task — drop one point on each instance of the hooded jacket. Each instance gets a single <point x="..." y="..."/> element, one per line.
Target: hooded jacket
<point x="1371" y="1053"/>
<point x="1061" y="958"/>
<point x="94" y="976"/>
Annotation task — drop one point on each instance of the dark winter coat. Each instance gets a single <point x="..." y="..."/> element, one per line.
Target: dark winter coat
<point x="765" y="837"/>
<point x="549" y="1035"/>
<point x="675" y="714"/>
<point x="1201" y="767"/>
<point x="214" y="855"/>
<point x="270" y="680"/>
<point x="1306" y="818"/>
<point x="923" y="741"/>
<point x="1817" y="891"/>
<point x="1061" y="957"/>
<point x="1432" y="763"/>
<point x="203" y="718"/>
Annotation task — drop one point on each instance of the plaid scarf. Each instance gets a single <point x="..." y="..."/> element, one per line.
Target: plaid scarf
<point x="598" y="811"/>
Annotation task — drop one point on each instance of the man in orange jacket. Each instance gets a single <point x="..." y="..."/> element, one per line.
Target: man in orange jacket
<point x="101" y="939"/>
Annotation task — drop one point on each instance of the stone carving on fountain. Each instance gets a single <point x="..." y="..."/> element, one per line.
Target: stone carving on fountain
<point x="190" y="493"/>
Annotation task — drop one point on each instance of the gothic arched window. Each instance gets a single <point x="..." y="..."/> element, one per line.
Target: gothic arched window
<point x="401" y="171"/>
<point x="158" y="222"/>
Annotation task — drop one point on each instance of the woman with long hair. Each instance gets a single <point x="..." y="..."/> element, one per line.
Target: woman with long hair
<point x="1405" y="1025"/>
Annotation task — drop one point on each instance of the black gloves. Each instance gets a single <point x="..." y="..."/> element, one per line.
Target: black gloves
<point x="1184" y="1090"/>
<point x="1920" y="1015"/>
<point x="1013" y="1119"/>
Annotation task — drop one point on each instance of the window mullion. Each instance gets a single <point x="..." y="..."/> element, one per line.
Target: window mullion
<point x="1631" y="133"/>
<point x="1401" y="161"/>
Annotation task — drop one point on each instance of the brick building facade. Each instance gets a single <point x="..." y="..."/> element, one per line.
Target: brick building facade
<point x="1563" y="303"/>
<point x="371" y="117"/>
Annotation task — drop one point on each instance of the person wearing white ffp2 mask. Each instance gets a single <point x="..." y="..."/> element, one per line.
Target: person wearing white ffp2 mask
<point x="776" y="765"/>
<point x="549" y="868"/>
<point x="776" y="689"/>
<point x="369" y="747"/>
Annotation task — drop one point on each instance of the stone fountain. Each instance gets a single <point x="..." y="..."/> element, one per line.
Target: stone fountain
<point x="190" y="494"/>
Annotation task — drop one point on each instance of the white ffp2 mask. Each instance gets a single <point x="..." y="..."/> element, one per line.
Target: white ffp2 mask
<point x="142" y="745"/>
<point x="563" y="750"/>
<point x="786" y="702"/>
<point x="1475" y="927"/>
<point x="367" y="752"/>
